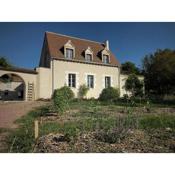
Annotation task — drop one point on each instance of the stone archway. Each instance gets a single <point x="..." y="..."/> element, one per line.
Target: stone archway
<point x="12" y="87"/>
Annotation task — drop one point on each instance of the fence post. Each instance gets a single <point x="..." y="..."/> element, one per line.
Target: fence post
<point x="36" y="129"/>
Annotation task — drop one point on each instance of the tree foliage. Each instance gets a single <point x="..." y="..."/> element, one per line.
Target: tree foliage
<point x="129" y="68"/>
<point x="159" y="72"/>
<point x="134" y="85"/>
<point x="4" y="63"/>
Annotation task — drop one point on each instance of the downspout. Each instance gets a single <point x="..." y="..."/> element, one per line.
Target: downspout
<point x="52" y="75"/>
<point x="119" y="80"/>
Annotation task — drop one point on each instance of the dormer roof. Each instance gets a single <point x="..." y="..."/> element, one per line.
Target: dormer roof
<point x="56" y="44"/>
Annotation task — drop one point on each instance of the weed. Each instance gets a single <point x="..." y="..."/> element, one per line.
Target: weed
<point x="22" y="139"/>
<point x="162" y="121"/>
<point x="50" y="127"/>
<point x="2" y="130"/>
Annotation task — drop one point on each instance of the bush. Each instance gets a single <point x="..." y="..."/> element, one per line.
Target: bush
<point x="109" y="93"/>
<point x="60" y="101"/>
<point x="67" y="92"/>
<point x="83" y="91"/>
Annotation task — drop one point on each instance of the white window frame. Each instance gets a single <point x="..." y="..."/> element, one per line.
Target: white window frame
<point x="69" y="45"/>
<point x="103" y="79"/>
<point x="104" y="59"/>
<point x="105" y="52"/>
<point x="106" y="81"/>
<point x="87" y="58"/>
<point x="88" y="51"/>
<point x="76" y="79"/>
<point x="94" y="75"/>
<point x="72" y="84"/>
<point x="68" y="55"/>
<point x="89" y="83"/>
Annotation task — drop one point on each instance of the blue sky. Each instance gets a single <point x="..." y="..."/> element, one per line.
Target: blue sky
<point x="21" y="43"/>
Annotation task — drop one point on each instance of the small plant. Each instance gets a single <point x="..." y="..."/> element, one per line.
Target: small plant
<point x="83" y="91"/>
<point x="109" y="94"/>
<point x="111" y="136"/>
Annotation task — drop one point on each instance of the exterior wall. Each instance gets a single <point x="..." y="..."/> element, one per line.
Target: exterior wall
<point x="14" y="90"/>
<point x="44" y="83"/>
<point x="123" y="78"/>
<point x="62" y="68"/>
<point x="27" y="78"/>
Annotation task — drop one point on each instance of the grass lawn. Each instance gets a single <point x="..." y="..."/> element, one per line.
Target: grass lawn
<point x="93" y="126"/>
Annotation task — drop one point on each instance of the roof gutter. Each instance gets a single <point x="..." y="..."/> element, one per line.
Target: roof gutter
<point x="83" y="62"/>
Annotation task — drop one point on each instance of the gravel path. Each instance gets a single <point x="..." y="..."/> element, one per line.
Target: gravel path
<point x="10" y="111"/>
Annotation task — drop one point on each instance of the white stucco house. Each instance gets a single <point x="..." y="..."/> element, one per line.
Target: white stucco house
<point x="64" y="60"/>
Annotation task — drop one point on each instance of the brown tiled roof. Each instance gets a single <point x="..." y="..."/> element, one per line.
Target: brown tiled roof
<point x="56" y="44"/>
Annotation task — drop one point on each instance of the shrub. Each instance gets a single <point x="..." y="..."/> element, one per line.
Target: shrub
<point x="83" y="91"/>
<point x="125" y="97"/>
<point x="109" y="93"/>
<point x="67" y="92"/>
<point x="60" y="101"/>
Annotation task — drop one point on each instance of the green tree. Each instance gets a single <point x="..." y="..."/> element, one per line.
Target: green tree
<point x="129" y="68"/>
<point x="159" y="72"/>
<point x="134" y="85"/>
<point x="4" y="63"/>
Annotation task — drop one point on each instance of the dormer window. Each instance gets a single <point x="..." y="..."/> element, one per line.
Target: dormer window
<point x="88" y="57"/>
<point x="88" y="54"/>
<point x="69" y="50"/>
<point x="69" y="53"/>
<point x="106" y="59"/>
<point x="105" y="56"/>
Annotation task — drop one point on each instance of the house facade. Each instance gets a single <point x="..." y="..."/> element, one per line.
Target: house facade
<point x="64" y="61"/>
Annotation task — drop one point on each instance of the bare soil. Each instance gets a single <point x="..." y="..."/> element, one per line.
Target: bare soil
<point x="11" y="111"/>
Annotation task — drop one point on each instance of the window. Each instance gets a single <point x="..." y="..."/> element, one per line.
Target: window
<point x="72" y="80"/>
<point x="88" y="57"/>
<point x="107" y="82"/>
<point x="106" y="59"/>
<point x="69" y="53"/>
<point x="90" y="81"/>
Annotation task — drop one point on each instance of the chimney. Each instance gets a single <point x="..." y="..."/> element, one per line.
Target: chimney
<point x="107" y="44"/>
